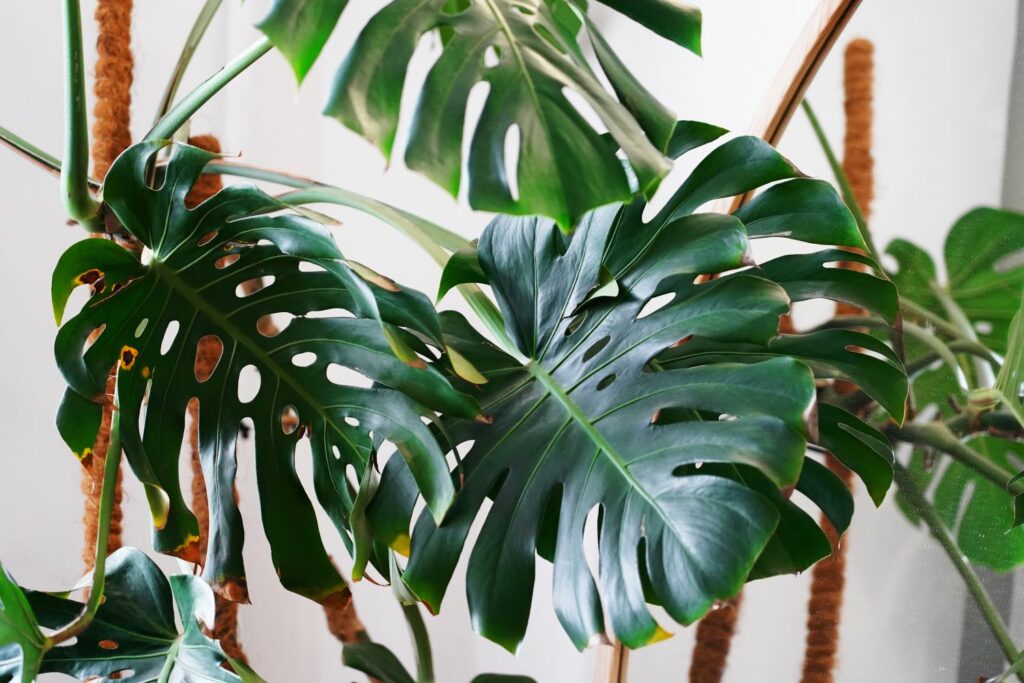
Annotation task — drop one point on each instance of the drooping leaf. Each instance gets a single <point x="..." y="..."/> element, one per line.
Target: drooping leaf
<point x="300" y="29"/>
<point x="161" y="321"/>
<point x="22" y="644"/>
<point x="377" y="661"/>
<point x="134" y="632"/>
<point x="463" y="267"/>
<point x="528" y="55"/>
<point x="984" y="257"/>
<point x="685" y="465"/>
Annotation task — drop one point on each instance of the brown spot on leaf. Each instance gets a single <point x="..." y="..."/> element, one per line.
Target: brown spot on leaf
<point x="128" y="356"/>
<point x="233" y="589"/>
<point x="89" y="277"/>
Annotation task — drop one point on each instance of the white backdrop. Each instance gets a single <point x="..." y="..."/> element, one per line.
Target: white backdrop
<point x="942" y="88"/>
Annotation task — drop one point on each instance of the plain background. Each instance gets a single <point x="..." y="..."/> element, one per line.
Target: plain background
<point x="942" y="88"/>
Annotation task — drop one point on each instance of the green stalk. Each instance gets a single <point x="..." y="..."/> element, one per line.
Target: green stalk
<point x="180" y="113"/>
<point x="195" y="36"/>
<point x="981" y="597"/>
<point x="983" y="372"/>
<point x="844" y="183"/>
<point x="111" y="463"/>
<point x="37" y="156"/>
<point x="940" y="437"/>
<point x="79" y="203"/>
<point x="421" y="641"/>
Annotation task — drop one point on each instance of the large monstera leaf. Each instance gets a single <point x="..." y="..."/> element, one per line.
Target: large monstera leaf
<point x="134" y="634"/>
<point x="686" y="466"/>
<point x="153" y="319"/>
<point x="528" y="54"/>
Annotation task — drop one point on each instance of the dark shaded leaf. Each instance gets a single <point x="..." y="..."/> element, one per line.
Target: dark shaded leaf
<point x="376" y="661"/>
<point x="160" y="320"/>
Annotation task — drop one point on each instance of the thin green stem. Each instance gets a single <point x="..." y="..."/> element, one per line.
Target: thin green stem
<point x="421" y="641"/>
<point x="844" y="183"/>
<point x="988" y="610"/>
<point x="918" y="312"/>
<point x="195" y="36"/>
<point x="983" y="372"/>
<point x="180" y="113"/>
<point x="79" y="203"/>
<point x="940" y="437"/>
<point x="37" y="156"/>
<point x="111" y="463"/>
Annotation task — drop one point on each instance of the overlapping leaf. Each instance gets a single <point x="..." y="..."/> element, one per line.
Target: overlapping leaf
<point x="22" y="644"/>
<point x="134" y="634"/>
<point x="684" y="464"/>
<point x="528" y="54"/>
<point x="196" y="285"/>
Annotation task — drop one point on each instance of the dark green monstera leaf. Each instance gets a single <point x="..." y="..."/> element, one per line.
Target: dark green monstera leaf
<point x="134" y="633"/>
<point x="686" y="466"/>
<point x="190" y="294"/>
<point x="22" y="644"/>
<point x="381" y="664"/>
<point x="984" y="258"/>
<point x="528" y="54"/>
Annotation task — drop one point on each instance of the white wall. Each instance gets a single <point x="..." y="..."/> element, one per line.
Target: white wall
<point x="942" y="84"/>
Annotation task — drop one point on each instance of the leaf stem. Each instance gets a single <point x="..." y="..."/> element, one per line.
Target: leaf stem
<point x="111" y="464"/>
<point x="844" y="183"/>
<point x="79" y="203"/>
<point x="195" y="36"/>
<point x="940" y="437"/>
<point x="421" y="641"/>
<point x="984" y="375"/>
<point x="168" y="125"/>
<point x="981" y="597"/>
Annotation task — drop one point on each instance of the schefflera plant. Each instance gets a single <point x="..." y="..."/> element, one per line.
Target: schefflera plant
<point x="217" y="273"/>
<point x="686" y="427"/>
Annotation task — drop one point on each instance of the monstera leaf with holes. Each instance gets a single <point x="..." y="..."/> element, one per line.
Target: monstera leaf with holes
<point x="685" y="457"/>
<point x="134" y="634"/>
<point x="528" y="54"/>
<point x="151" y="317"/>
<point x="984" y="259"/>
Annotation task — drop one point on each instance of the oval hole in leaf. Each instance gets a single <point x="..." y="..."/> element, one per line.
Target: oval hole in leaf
<point x="227" y="260"/>
<point x="273" y="324"/>
<point x="122" y="674"/>
<point x="492" y="56"/>
<point x="289" y="419"/>
<point x="352" y="421"/>
<point x="575" y="323"/>
<point x="209" y="350"/>
<point x="605" y="382"/>
<point x="330" y="313"/>
<point x="595" y="348"/>
<point x="141" y="327"/>
<point x="253" y="285"/>
<point x="108" y="644"/>
<point x="170" y="333"/>
<point x="342" y="376"/>
<point x="983" y="327"/>
<point x="304" y="359"/>
<point x="249" y="382"/>
<point x="655" y="304"/>
<point x="207" y="238"/>
<point x="337" y="452"/>
<point x="308" y="267"/>
<point x="513" y="140"/>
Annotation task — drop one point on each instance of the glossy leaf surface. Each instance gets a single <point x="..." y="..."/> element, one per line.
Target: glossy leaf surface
<point x="683" y="466"/>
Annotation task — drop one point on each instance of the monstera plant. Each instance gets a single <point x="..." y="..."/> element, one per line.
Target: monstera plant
<point x="628" y="377"/>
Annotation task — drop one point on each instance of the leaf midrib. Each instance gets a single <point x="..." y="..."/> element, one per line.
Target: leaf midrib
<point x="224" y="322"/>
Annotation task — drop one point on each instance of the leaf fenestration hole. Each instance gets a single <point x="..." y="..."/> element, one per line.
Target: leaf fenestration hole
<point x="249" y="382"/>
<point x="513" y="145"/>
<point x="253" y="285"/>
<point x="575" y="323"/>
<point x="655" y="304"/>
<point x="595" y="348"/>
<point x="347" y="377"/>
<point x="108" y="644"/>
<point x="337" y="452"/>
<point x="492" y="56"/>
<point x="141" y="328"/>
<point x="207" y="238"/>
<point x="983" y="327"/>
<point x="289" y="419"/>
<point x="209" y="350"/>
<point x="170" y="334"/>
<point x="304" y="359"/>
<point x="309" y="267"/>
<point x="351" y="421"/>
<point x="606" y="382"/>
<point x="227" y="260"/>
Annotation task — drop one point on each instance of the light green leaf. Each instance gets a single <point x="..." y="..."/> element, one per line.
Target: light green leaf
<point x="22" y="644"/>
